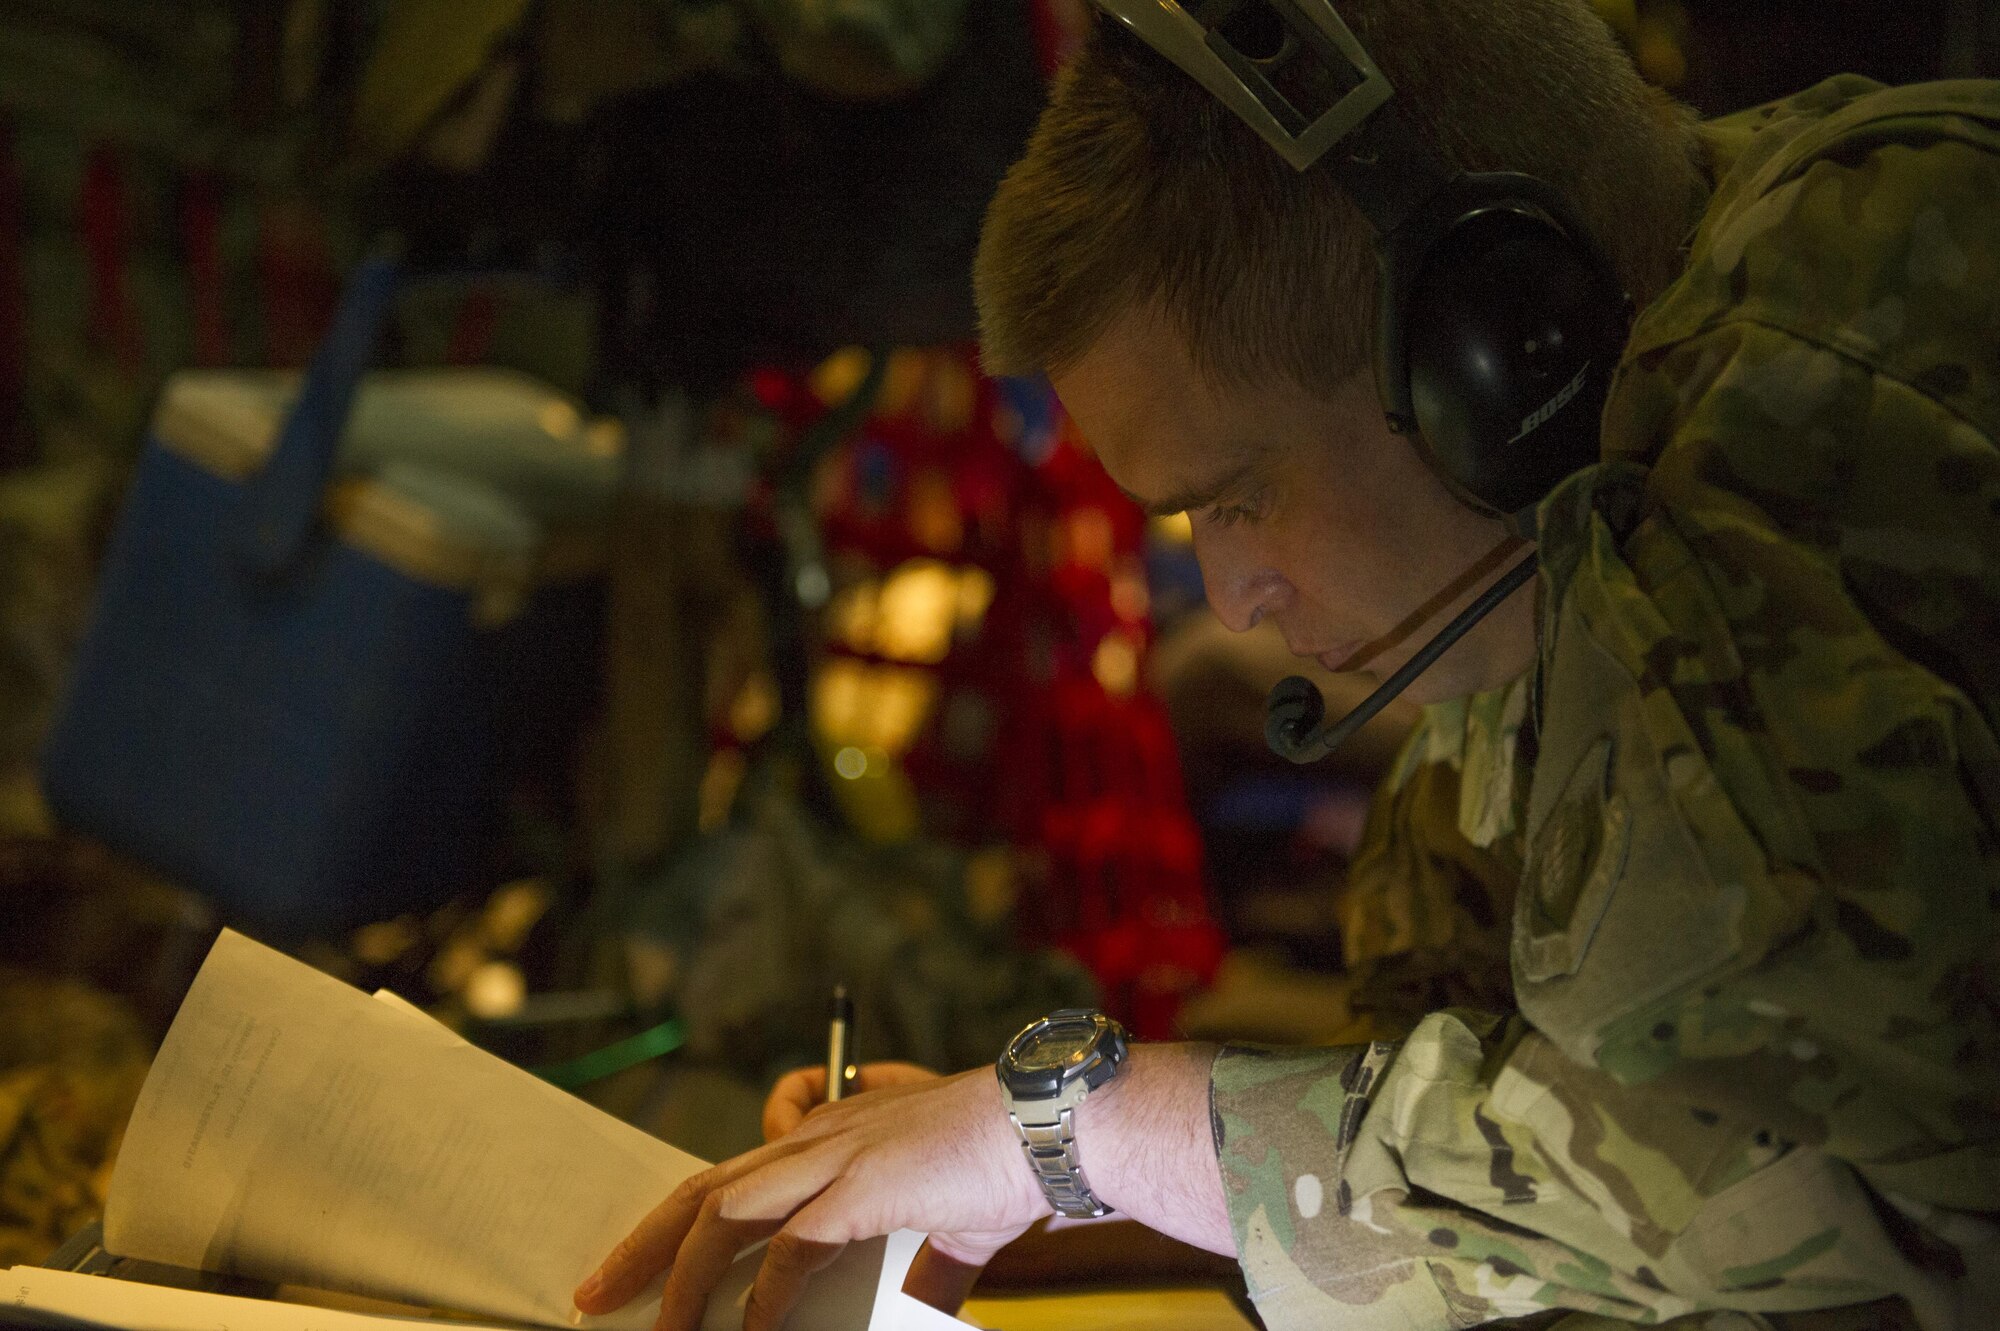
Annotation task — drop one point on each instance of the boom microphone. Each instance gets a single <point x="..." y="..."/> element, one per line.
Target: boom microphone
<point x="1294" y="713"/>
<point x="1295" y="707"/>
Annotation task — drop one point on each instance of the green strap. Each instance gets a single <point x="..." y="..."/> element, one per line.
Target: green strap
<point x="614" y="1058"/>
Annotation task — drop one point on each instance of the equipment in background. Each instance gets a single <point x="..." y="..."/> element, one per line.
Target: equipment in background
<point x="975" y="672"/>
<point x="300" y="684"/>
<point x="1500" y="320"/>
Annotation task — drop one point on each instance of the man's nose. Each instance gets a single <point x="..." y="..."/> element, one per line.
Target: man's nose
<point x="1241" y="591"/>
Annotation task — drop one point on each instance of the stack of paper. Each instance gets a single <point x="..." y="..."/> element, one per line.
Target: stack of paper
<point x="297" y="1131"/>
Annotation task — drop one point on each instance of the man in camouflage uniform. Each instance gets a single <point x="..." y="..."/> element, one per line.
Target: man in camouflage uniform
<point x="1741" y="790"/>
<point x="1754" y="1060"/>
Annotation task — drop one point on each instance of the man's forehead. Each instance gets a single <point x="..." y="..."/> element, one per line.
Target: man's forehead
<point x="1159" y="428"/>
<point x="1134" y="375"/>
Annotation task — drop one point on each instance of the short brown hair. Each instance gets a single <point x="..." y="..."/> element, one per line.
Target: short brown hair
<point x="1139" y="188"/>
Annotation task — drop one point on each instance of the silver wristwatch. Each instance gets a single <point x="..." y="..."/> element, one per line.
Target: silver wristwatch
<point x="1045" y="1074"/>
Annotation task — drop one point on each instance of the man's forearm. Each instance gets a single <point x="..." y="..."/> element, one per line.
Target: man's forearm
<point x="1147" y="1148"/>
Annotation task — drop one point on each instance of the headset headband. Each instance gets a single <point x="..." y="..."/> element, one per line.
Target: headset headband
<point x="1317" y="97"/>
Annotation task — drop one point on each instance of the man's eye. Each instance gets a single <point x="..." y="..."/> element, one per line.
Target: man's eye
<point x="1228" y="515"/>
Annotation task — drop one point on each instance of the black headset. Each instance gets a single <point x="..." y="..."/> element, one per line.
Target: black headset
<point x="1499" y="319"/>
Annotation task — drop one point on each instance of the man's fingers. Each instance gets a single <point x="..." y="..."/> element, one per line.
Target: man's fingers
<point x="750" y="1206"/>
<point x="704" y="1257"/>
<point x="796" y="1171"/>
<point x="806" y="1245"/>
<point x="803" y="1090"/>
<point x="880" y="1076"/>
<point x="646" y="1251"/>
<point x="791" y="1099"/>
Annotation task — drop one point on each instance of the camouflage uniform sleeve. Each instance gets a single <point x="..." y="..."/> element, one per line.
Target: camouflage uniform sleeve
<point x="1756" y="1064"/>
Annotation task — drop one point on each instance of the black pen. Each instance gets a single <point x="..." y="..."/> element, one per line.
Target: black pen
<point x="840" y="1046"/>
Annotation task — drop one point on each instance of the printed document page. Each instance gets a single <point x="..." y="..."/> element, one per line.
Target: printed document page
<point x="295" y="1130"/>
<point x="128" y="1303"/>
<point x="105" y="1301"/>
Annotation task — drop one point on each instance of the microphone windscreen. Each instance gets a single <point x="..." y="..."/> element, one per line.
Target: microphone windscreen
<point x="1294" y="709"/>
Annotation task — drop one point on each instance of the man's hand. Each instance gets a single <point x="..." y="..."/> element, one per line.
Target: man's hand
<point x="936" y="1155"/>
<point x="800" y="1092"/>
<point x="945" y="1283"/>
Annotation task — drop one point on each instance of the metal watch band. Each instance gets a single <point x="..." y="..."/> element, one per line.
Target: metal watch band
<point x="1047" y="1070"/>
<point x="1051" y="1152"/>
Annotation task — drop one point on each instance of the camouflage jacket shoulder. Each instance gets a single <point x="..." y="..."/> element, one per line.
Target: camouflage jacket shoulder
<point x="1851" y="216"/>
<point x="1756" y="1062"/>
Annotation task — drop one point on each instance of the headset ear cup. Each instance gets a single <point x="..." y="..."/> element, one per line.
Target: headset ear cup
<point x="1513" y="336"/>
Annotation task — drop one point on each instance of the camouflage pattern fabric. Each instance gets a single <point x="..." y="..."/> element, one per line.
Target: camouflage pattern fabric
<point x="1754" y="1075"/>
<point x="1428" y="905"/>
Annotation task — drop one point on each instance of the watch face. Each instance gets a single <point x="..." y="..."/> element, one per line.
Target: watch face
<point x="1054" y="1048"/>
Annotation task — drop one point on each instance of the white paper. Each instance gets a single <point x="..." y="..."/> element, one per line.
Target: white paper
<point x="128" y="1303"/>
<point x="293" y="1129"/>
<point x="895" y="1310"/>
<point x="900" y="1312"/>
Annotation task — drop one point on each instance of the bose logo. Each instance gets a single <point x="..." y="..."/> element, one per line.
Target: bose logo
<point x="1541" y="414"/>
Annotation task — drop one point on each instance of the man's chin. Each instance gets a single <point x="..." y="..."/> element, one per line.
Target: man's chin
<point x="1441" y="683"/>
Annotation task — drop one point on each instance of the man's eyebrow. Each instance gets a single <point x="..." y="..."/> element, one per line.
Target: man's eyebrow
<point x="1199" y="497"/>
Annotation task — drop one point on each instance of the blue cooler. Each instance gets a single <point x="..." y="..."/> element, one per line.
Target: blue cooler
<point x="289" y="694"/>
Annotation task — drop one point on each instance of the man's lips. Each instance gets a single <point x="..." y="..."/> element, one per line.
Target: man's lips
<point x="1338" y="657"/>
